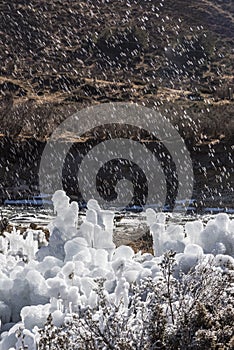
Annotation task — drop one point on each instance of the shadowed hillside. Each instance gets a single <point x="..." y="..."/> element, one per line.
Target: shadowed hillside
<point x="56" y="53"/>
<point x="60" y="56"/>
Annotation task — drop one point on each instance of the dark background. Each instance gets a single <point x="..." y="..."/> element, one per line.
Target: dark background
<point x="58" y="57"/>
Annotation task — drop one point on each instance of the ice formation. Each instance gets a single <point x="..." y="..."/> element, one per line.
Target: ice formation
<point x="61" y="277"/>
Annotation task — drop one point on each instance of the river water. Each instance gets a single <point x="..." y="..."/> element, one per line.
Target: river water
<point x="129" y="226"/>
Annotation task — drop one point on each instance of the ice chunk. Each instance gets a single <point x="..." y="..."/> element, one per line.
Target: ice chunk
<point x="58" y="318"/>
<point x="74" y="295"/>
<point x="222" y="221"/>
<point x="9" y="338"/>
<point x="118" y="265"/>
<point x="55" y="247"/>
<point x="231" y="226"/>
<point x="107" y="218"/>
<point x="91" y="216"/>
<point x="3" y="245"/>
<point x="93" y="204"/>
<point x="27" y="340"/>
<point x="130" y="275"/>
<point x="92" y="299"/>
<point x="71" y="215"/>
<point x="67" y="216"/>
<point x="123" y="252"/>
<point x="102" y="238"/>
<point x="38" y="287"/>
<point x="79" y="267"/>
<point x="100" y="258"/>
<point x="158" y="233"/>
<point x="30" y="246"/>
<point x="18" y="245"/>
<point x="48" y="264"/>
<point x="161" y="218"/>
<point x="16" y="273"/>
<point x="84" y="256"/>
<point x="174" y="245"/>
<point x="145" y="273"/>
<point x="74" y="246"/>
<point x="6" y="284"/>
<point x="5" y="313"/>
<point x="194" y="249"/>
<point x="218" y="231"/>
<point x="219" y="248"/>
<point x="87" y="232"/>
<point x="68" y="271"/>
<point x="209" y="236"/>
<point x="110" y="285"/>
<point x="193" y="253"/>
<point x="121" y="292"/>
<point x="56" y="287"/>
<point x="61" y="203"/>
<point x="185" y="262"/>
<point x="87" y="285"/>
<point x="6" y="327"/>
<point x="175" y="232"/>
<point x="193" y="231"/>
<point x="150" y="216"/>
<point x="35" y="315"/>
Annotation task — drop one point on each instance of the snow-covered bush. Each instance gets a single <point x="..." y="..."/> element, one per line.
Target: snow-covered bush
<point x="193" y="312"/>
<point x="80" y="291"/>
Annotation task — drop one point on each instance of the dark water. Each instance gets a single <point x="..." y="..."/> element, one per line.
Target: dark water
<point x="19" y="166"/>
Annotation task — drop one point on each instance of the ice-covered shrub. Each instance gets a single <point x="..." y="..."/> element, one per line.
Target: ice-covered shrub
<point x="217" y="237"/>
<point x="102" y="297"/>
<point x="192" y="312"/>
